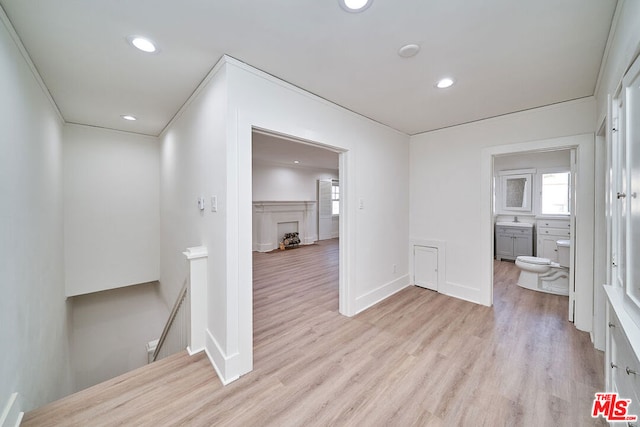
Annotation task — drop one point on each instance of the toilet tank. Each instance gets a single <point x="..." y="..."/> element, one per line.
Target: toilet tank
<point x="563" y="252"/>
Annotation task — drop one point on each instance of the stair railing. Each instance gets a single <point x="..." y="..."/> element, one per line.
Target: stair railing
<point x="175" y="335"/>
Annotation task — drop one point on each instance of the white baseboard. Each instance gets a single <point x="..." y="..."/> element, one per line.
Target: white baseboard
<point x="220" y="362"/>
<point x="310" y="240"/>
<point x="464" y="293"/>
<point x="264" y="247"/>
<point x="193" y="352"/>
<point x="373" y="297"/>
<point x="12" y="413"/>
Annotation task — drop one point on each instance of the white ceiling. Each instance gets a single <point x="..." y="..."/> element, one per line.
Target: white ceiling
<point x="271" y="149"/>
<point x="505" y="55"/>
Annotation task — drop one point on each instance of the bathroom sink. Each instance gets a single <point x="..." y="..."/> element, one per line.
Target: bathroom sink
<point x="515" y="224"/>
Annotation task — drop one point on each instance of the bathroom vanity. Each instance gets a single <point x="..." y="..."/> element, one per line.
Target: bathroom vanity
<point x="513" y="239"/>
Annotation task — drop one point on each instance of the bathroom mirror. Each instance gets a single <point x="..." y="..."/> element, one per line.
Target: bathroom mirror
<point x="516" y="192"/>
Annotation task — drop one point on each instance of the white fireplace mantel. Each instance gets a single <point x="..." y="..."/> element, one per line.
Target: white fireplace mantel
<point x="268" y="214"/>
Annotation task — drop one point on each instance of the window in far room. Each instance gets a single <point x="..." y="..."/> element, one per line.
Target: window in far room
<point x="335" y="197"/>
<point x="555" y="193"/>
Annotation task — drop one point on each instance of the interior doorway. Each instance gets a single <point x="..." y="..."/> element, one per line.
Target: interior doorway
<point x="583" y="218"/>
<point x="297" y="189"/>
<point x="533" y="218"/>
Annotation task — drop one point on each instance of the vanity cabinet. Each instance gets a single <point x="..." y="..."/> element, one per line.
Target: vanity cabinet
<point x="513" y="241"/>
<point x="548" y="232"/>
<point x="622" y="368"/>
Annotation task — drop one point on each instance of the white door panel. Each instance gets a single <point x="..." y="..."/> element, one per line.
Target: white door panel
<point x="325" y="217"/>
<point x="425" y="267"/>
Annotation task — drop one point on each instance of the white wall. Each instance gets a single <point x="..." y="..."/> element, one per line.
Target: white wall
<point x="193" y="164"/>
<point x="111" y="329"/>
<point x="111" y="209"/>
<point x="447" y="178"/>
<point x="208" y="151"/>
<point x="34" y="325"/>
<point x="281" y="183"/>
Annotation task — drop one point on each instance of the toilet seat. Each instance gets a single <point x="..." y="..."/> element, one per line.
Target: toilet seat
<point x="534" y="260"/>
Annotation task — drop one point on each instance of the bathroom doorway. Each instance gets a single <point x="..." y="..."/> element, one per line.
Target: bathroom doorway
<point x="533" y="218"/>
<point x="583" y="218"/>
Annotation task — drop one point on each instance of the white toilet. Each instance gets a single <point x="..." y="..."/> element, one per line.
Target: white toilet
<point x="541" y="274"/>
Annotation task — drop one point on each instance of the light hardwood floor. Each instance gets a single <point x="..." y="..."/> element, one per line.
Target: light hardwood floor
<point x="418" y="358"/>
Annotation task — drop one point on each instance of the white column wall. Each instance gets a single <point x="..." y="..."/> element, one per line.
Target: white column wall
<point x="34" y="316"/>
<point x="193" y="164"/>
<point x="373" y="170"/>
<point x="207" y="151"/>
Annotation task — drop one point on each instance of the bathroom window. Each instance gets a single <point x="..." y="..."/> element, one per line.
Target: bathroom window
<point x="555" y="193"/>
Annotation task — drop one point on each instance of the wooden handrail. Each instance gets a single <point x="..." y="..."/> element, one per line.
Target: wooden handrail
<point x="172" y="317"/>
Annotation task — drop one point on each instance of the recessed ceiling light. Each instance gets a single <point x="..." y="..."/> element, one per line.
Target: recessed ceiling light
<point x="355" y="5"/>
<point x="444" y="83"/>
<point x="142" y="43"/>
<point x="409" y="50"/>
<point x="296" y="161"/>
<point x="129" y="117"/>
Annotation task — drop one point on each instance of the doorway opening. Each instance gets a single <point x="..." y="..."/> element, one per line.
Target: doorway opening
<point x="297" y="191"/>
<point x="582" y="221"/>
<point x="533" y="218"/>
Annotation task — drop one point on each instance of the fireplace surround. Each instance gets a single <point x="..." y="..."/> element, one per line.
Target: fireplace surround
<point x="271" y="219"/>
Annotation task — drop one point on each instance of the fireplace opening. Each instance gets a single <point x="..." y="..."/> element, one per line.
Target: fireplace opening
<point x="290" y="240"/>
<point x="289" y="237"/>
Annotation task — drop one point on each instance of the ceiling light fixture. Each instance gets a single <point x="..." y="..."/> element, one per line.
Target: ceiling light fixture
<point x="296" y="161"/>
<point x="142" y="43"/>
<point x="409" y="50"/>
<point x="129" y="117"/>
<point x="354" y="6"/>
<point x="444" y="83"/>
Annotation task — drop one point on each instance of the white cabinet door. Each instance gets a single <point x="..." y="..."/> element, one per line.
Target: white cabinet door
<point x="522" y="245"/>
<point x="547" y="247"/>
<point x="632" y="136"/>
<point x="425" y="267"/>
<point x="504" y="247"/>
